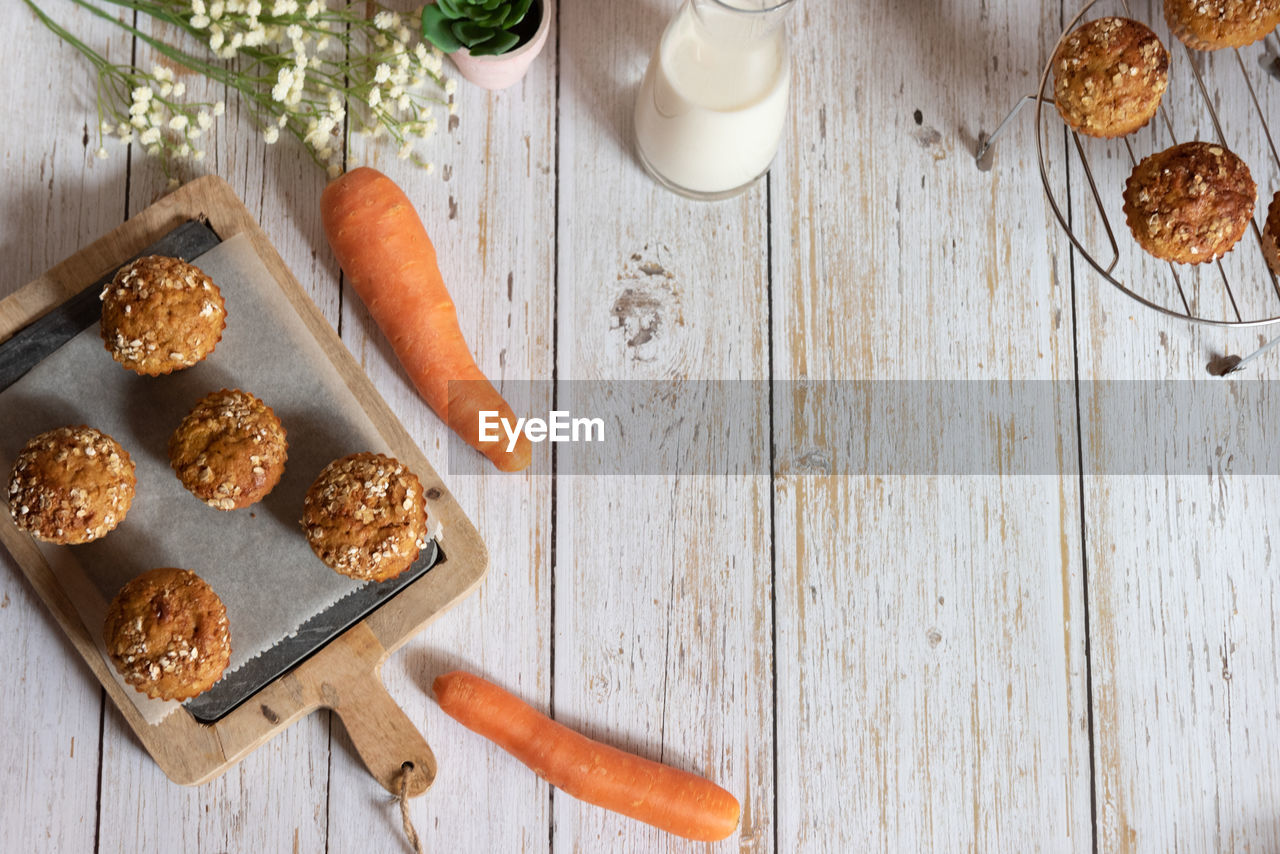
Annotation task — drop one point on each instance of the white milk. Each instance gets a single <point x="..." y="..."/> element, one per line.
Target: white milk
<point x="711" y="108"/>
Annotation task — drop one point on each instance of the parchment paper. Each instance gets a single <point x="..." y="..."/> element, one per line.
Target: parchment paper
<point x="256" y="559"/>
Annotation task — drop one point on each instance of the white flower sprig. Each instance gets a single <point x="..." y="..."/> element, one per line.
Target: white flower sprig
<point x="302" y="67"/>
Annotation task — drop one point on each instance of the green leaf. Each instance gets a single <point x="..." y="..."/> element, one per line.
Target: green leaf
<point x="518" y="10"/>
<point x="492" y="4"/>
<point x="486" y="18"/>
<point x="452" y="9"/>
<point x="500" y="42"/>
<point x="471" y="34"/>
<point x="436" y="29"/>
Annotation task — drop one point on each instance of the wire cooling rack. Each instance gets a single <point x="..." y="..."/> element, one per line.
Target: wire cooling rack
<point x="1174" y="296"/>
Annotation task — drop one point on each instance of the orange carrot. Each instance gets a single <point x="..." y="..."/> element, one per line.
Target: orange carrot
<point x="673" y="800"/>
<point x="389" y="260"/>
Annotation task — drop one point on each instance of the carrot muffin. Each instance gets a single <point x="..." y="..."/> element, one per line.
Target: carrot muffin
<point x="365" y="517"/>
<point x="230" y="450"/>
<point x="161" y="315"/>
<point x="1212" y="24"/>
<point x="166" y="632"/>
<point x="1271" y="235"/>
<point x="1189" y="203"/>
<point x="1109" y="76"/>
<point x="71" y="485"/>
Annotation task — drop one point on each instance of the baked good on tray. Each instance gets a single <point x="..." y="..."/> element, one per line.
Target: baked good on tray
<point x="71" y="485"/>
<point x="230" y="450"/>
<point x="1271" y="235"/>
<point x="161" y="315"/>
<point x="1189" y="203"/>
<point x="167" y="634"/>
<point x="365" y="517"/>
<point x="1109" y="76"/>
<point x="1213" y="24"/>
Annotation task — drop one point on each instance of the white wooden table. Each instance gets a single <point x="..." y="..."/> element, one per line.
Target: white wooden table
<point x="895" y="663"/>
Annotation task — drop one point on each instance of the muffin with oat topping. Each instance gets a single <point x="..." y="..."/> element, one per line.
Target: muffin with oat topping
<point x="1189" y="203"/>
<point x="161" y="315"/>
<point x="1271" y="235"/>
<point x="1109" y="76"/>
<point x="167" y="634"/>
<point x="365" y="517"/>
<point x="71" y="485"/>
<point x="230" y="450"/>
<point x="1213" y="24"/>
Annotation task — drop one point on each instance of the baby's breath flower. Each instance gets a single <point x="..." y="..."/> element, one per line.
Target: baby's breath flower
<point x="334" y="170"/>
<point x="288" y="74"/>
<point x="284" y="82"/>
<point x="101" y="153"/>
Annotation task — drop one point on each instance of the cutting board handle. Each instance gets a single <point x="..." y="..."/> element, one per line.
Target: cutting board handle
<point x="382" y="733"/>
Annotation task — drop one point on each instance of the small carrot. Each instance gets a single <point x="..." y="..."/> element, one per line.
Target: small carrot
<point x="667" y="798"/>
<point x="389" y="260"/>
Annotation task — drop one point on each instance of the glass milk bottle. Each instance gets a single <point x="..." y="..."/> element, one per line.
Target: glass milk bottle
<point x="712" y="105"/>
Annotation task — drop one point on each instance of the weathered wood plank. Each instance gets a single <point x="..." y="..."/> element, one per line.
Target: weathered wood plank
<point x="1182" y="592"/>
<point x="58" y="197"/>
<point x="663" y="634"/>
<point x="275" y="800"/>
<point x="931" y="670"/>
<point x="489" y="211"/>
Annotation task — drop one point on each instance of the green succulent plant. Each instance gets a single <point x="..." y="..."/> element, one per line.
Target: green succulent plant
<point x="483" y="27"/>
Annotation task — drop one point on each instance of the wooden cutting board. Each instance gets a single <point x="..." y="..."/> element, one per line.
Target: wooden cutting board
<point x="344" y="675"/>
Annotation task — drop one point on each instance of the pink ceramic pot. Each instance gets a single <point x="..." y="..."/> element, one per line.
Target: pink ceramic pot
<point x="499" y="72"/>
